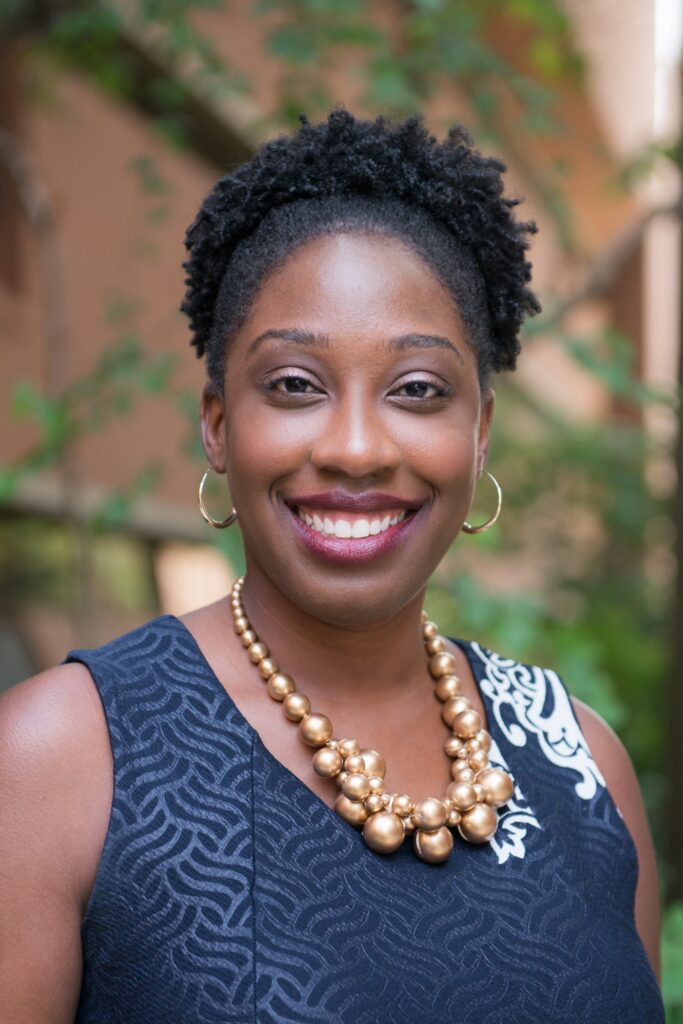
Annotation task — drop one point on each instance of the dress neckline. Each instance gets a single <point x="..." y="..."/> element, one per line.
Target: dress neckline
<point x="225" y="697"/>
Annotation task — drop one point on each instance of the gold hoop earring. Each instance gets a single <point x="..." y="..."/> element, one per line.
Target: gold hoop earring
<point x="219" y="524"/>
<point x="489" y="522"/>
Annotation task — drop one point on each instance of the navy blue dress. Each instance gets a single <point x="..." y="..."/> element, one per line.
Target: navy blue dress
<point x="229" y="892"/>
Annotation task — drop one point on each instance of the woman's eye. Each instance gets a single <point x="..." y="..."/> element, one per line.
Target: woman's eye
<point x="292" y="385"/>
<point x="420" y="389"/>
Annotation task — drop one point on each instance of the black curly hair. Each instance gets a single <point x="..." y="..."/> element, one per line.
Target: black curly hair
<point x="444" y="200"/>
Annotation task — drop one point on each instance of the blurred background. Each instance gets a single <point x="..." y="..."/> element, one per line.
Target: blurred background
<point x="117" y="117"/>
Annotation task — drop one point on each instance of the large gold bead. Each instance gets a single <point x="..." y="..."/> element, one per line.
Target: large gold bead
<point x="462" y="795"/>
<point x="433" y="847"/>
<point x="327" y="762"/>
<point x="295" y="705"/>
<point x="356" y="786"/>
<point x="478" y="759"/>
<point x="384" y="832"/>
<point x="497" y="785"/>
<point x="454" y="707"/>
<point x="248" y="638"/>
<point x="347" y="747"/>
<point x="350" y="810"/>
<point x="374" y="763"/>
<point x="442" y="665"/>
<point x="430" y="814"/>
<point x="447" y="687"/>
<point x="435" y="645"/>
<point x="257" y="651"/>
<point x="280" y="685"/>
<point x="479" y="824"/>
<point x="467" y="723"/>
<point x="354" y="763"/>
<point x="315" y="730"/>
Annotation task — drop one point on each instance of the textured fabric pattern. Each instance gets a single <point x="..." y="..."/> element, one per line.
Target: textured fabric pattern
<point x="209" y="906"/>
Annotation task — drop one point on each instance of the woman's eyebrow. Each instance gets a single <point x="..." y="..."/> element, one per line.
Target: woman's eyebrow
<point x="404" y="341"/>
<point x="295" y="334"/>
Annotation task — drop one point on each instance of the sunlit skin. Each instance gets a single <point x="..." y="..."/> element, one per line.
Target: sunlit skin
<point x="356" y="410"/>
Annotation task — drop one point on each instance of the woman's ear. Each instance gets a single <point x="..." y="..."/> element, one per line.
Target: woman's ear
<point x="212" y="421"/>
<point x="485" y="421"/>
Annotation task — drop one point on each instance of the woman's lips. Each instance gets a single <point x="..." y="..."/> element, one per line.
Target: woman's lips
<point x="376" y="532"/>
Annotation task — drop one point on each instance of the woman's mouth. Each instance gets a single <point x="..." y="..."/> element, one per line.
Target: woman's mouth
<point x="349" y="537"/>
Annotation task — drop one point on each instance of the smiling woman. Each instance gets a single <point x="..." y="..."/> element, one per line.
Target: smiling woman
<point x="426" y="830"/>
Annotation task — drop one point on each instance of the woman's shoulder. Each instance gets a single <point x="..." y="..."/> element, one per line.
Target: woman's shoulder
<point x="55" y="779"/>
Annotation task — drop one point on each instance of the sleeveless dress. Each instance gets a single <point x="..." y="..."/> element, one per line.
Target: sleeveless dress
<point x="228" y="891"/>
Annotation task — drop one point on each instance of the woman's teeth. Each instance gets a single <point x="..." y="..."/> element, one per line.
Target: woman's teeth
<point x="337" y="526"/>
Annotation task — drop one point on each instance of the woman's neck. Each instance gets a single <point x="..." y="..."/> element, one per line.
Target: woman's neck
<point x="337" y="665"/>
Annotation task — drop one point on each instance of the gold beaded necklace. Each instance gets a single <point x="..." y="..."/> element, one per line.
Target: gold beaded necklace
<point x="472" y="797"/>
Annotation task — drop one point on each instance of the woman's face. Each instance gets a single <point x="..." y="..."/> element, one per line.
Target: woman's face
<point x="352" y="429"/>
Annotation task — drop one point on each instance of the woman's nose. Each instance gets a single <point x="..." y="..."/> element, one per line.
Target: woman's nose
<point x="356" y="441"/>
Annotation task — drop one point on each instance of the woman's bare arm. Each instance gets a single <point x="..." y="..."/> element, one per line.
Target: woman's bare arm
<point x="55" y="800"/>
<point x="615" y="764"/>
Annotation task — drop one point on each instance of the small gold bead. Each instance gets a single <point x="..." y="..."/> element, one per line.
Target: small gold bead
<point x="327" y="762"/>
<point x="409" y="823"/>
<point x="461" y="774"/>
<point x="374" y="762"/>
<point x="295" y="705"/>
<point x="454" y="818"/>
<point x="386" y="799"/>
<point x="473" y="745"/>
<point x="467" y="723"/>
<point x="442" y="665"/>
<point x="497" y="784"/>
<point x="478" y="760"/>
<point x="480" y="791"/>
<point x="350" y="810"/>
<point x="447" y="687"/>
<point x="354" y="763"/>
<point x="267" y="667"/>
<point x="429" y="814"/>
<point x="384" y="832"/>
<point x="373" y="803"/>
<point x="429" y="629"/>
<point x="241" y="624"/>
<point x="315" y="730"/>
<point x="333" y="743"/>
<point x="348" y="747"/>
<point x="248" y="638"/>
<point x="462" y="795"/>
<point x="452" y="708"/>
<point x="435" y="645"/>
<point x="453" y="747"/>
<point x="479" y="824"/>
<point x="434" y="846"/>
<point x="341" y="778"/>
<point x="257" y="652"/>
<point x="356" y="786"/>
<point x="280" y="685"/>
<point x="403" y="805"/>
<point x="376" y="783"/>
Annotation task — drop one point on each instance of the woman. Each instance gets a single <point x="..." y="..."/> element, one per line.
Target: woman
<point x="172" y="851"/>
